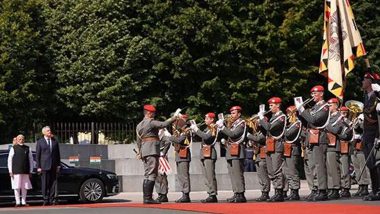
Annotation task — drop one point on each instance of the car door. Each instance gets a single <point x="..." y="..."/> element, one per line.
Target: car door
<point x="5" y="179"/>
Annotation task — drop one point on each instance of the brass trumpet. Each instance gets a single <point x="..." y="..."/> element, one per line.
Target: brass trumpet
<point x="307" y="101"/>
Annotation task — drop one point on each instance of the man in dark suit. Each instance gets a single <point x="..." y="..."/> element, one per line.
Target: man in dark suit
<point x="48" y="165"/>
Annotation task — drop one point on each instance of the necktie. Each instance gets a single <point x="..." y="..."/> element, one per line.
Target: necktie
<point x="49" y="143"/>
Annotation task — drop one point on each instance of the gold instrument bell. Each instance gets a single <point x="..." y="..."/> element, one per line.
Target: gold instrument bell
<point x="354" y="106"/>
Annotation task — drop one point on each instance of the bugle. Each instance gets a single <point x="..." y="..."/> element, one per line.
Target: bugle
<point x="307" y="101"/>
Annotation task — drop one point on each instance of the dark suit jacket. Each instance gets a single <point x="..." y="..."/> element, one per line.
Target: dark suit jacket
<point x="47" y="160"/>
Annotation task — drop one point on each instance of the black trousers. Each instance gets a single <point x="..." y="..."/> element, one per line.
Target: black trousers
<point x="49" y="185"/>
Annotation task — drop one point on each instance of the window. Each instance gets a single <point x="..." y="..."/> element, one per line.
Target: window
<point x="4" y="160"/>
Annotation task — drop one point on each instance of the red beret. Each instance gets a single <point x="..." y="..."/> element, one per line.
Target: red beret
<point x="235" y="108"/>
<point x="317" y="88"/>
<point x="210" y="115"/>
<point x="184" y="116"/>
<point x="291" y="108"/>
<point x="333" y="100"/>
<point x="150" y="108"/>
<point x="343" y="108"/>
<point x="274" y="100"/>
<point x="376" y="76"/>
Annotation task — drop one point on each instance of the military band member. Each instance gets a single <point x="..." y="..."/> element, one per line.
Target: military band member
<point x="371" y="131"/>
<point x="208" y="155"/>
<point x="346" y="136"/>
<point x="292" y="153"/>
<point x="333" y="150"/>
<point x="309" y="166"/>
<point x="258" y="138"/>
<point x="162" y="179"/>
<point x="148" y="145"/>
<point x="235" y="131"/>
<point x="181" y="142"/>
<point x="358" y="159"/>
<point x="275" y="128"/>
<point x="316" y="118"/>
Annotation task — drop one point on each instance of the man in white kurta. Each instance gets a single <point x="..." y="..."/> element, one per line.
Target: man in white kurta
<point x="20" y="167"/>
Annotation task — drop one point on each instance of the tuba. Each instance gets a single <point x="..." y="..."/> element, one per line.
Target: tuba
<point x="213" y="129"/>
<point x="355" y="107"/>
<point x="253" y="123"/>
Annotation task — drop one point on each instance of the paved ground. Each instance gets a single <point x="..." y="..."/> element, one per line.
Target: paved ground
<point x="136" y="197"/>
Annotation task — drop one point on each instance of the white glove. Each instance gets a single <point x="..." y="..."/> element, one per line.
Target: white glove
<point x="194" y="128"/>
<point x="162" y="154"/>
<point x="361" y="117"/>
<point x="357" y="137"/>
<point x="220" y="124"/>
<point x="378" y="107"/>
<point x="223" y="141"/>
<point x="261" y="115"/>
<point x="301" y="109"/>
<point x="177" y="112"/>
<point x="167" y="133"/>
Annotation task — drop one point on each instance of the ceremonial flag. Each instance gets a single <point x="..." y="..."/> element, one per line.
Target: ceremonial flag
<point x="164" y="166"/>
<point x="342" y="43"/>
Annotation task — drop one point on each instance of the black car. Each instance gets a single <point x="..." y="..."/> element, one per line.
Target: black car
<point x="74" y="183"/>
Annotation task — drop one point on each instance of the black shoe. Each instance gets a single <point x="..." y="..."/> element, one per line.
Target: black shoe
<point x="372" y="197"/>
<point x="345" y="193"/>
<point x="277" y="197"/>
<point x="264" y="197"/>
<point x="364" y="191"/>
<point x="312" y="194"/>
<point x="240" y="198"/>
<point x="184" y="199"/>
<point x="334" y="195"/>
<point x="18" y="205"/>
<point x="25" y="205"/>
<point x="322" y="196"/>
<point x="232" y="198"/>
<point x="285" y="195"/>
<point x="294" y="196"/>
<point x="162" y="198"/>
<point x="45" y="203"/>
<point x="210" y="199"/>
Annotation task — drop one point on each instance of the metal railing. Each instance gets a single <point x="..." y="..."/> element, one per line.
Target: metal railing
<point x="94" y="132"/>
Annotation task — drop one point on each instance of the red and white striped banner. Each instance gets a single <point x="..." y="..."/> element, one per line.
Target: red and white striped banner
<point x="164" y="166"/>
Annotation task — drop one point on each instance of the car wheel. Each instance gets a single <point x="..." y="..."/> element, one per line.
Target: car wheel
<point x="92" y="190"/>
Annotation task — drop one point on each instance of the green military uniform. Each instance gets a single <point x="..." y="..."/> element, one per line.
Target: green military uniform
<point x="208" y="163"/>
<point x="235" y="163"/>
<point x="275" y="128"/>
<point x="162" y="179"/>
<point x="358" y="160"/>
<point x="149" y="148"/>
<point x="258" y="139"/>
<point x="333" y="154"/>
<point x="292" y="136"/>
<point x="316" y="118"/>
<point x="345" y="136"/>
<point x="183" y="166"/>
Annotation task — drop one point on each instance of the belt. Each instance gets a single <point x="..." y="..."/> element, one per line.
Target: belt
<point x="150" y="139"/>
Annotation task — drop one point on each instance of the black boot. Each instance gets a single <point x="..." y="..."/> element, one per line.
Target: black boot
<point x="148" y="192"/>
<point x="322" y="195"/>
<point x="278" y="197"/>
<point x="345" y="193"/>
<point x="364" y="191"/>
<point x="264" y="197"/>
<point x="162" y="198"/>
<point x="294" y="196"/>
<point x="285" y="195"/>
<point x="334" y="194"/>
<point x="312" y="194"/>
<point x="232" y="198"/>
<point x="210" y="199"/>
<point x="184" y="199"/>
<point x="240" y="198"/>
<point x="360" y="189"/>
